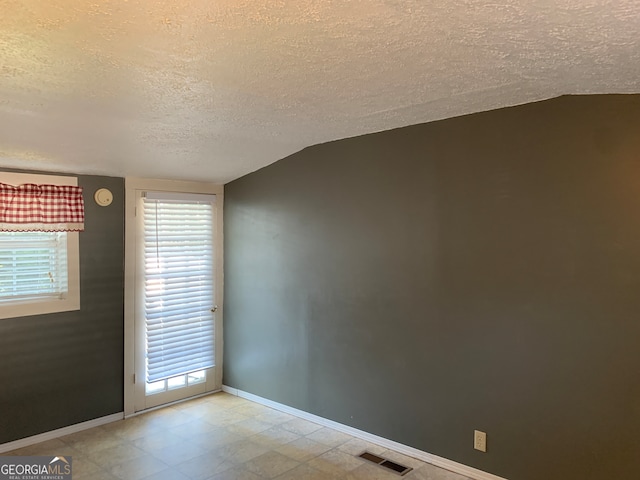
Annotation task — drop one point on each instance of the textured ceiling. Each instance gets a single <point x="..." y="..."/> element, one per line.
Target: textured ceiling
<point x="214" y="89"/>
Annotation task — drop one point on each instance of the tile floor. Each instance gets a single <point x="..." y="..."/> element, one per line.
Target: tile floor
<point x="223" y="437"/>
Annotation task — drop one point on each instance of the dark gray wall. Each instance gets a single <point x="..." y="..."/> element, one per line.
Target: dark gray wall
<point x="60" y="369"/>
<point x="481" y="272"/>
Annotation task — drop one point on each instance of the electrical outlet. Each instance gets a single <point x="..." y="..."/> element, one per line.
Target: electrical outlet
<point x="480" y="440"/>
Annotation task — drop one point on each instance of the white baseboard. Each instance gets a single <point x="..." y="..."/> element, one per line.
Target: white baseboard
<point x="232" y="391"/>
<point x="441" y="462"/>
<point x="60" y="432"/>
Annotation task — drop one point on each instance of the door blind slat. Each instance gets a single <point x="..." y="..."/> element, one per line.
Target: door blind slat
<point x="178" y="257"/>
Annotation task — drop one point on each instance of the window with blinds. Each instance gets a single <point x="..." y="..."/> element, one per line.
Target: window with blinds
<point x="33" y="266"/>
<point x="39" y="269"/>
<point x="178" y="284"/>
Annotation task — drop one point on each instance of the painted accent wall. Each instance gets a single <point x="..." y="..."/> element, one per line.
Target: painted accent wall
<point x="65" y="368"/>
<point x="480" y="272"/>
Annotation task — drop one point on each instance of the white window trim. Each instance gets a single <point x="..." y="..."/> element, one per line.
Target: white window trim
<point x="133" y="184"/>
<point x="72" y="300"/>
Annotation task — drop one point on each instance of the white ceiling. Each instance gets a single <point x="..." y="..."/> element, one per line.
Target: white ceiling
<point x="214" y="89"/>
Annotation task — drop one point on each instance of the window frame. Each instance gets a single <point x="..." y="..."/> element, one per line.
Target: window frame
<point x="71" y="301"/>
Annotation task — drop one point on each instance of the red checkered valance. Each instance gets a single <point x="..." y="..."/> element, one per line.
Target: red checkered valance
<point x="41" y="208"/>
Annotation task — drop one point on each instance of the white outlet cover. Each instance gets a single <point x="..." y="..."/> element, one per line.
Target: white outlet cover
<point x="480" y="440"/>
<point x="103" y="197"/>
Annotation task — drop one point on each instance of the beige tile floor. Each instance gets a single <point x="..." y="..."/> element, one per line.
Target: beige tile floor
<point x="223" y="437"/>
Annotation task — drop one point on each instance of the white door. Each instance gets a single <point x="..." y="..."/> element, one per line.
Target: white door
<point x="175" y="305"/>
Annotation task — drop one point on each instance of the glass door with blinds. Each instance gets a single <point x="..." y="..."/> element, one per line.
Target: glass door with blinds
<point x="175" y="320"/>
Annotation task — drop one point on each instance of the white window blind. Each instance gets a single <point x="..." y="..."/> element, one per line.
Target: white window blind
<point x="33" y="266"/>
<point x="178" y="258"/>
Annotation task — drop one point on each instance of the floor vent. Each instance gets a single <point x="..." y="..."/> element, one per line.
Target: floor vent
<point x="383" y="462"/>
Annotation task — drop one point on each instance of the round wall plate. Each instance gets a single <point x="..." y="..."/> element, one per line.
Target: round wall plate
<point x="103" y="197"/>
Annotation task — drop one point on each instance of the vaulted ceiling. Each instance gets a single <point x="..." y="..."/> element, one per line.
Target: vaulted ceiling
<point x="214" y="89"/>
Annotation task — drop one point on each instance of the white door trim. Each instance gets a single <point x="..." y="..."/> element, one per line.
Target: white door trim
<point x="131" y="186"/>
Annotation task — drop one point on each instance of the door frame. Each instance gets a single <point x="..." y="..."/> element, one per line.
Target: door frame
<point x="132" y="185"/>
